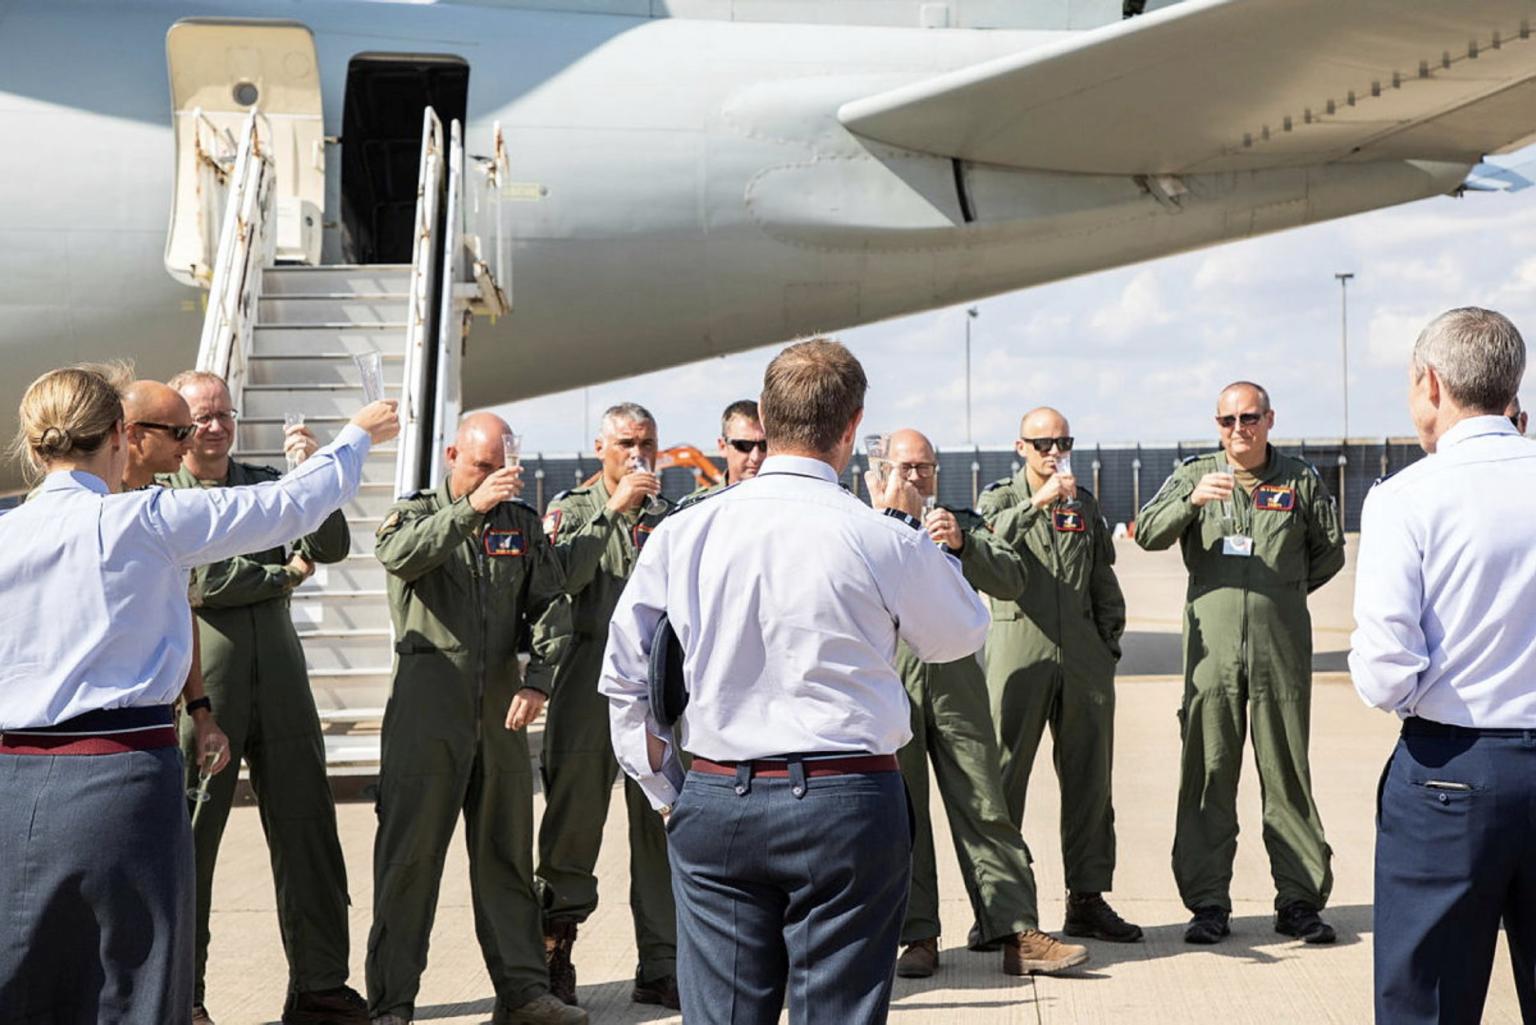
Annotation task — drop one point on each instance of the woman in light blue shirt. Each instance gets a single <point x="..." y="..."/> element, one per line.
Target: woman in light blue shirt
<point x="95" y="643"/>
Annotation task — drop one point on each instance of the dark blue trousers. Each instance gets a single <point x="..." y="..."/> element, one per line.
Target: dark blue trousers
<point x="95" y="889"/>
<point x="778" y="893"/>
<point x="1455" y="855"/>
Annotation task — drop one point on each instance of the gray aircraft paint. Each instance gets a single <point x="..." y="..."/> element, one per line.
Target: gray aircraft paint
<point x="691" y="190"/>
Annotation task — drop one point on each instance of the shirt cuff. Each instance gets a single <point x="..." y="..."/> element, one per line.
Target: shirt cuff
<point x="355" y="437"/>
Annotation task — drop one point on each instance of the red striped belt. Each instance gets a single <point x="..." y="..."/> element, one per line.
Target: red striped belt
<point x="103" y="732"/>
<point x="778" y="768"/>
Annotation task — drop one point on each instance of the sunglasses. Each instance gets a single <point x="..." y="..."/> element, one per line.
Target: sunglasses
<point x="1247" y="419"/>
<point x="924" y="471"/>
<point x="745" y="446"/>
<point x="1043" y="445"/>
<point x="179" y="433"/>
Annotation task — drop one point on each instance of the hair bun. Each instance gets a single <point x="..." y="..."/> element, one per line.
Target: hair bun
<point x="56" y="439"/>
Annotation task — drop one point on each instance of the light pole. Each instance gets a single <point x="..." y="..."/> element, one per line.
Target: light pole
<point x="971" y="313"/>
<point x="1344" y="280"/>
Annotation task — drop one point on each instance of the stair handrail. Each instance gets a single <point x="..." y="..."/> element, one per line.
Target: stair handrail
<point x="494" y="276"/>
<point x="453" y="314"/>
<point x="414" y="389"/>
<point x="246" y="246"/>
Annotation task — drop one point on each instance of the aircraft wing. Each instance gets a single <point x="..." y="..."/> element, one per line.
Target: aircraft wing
<point x="1221" y="85"/>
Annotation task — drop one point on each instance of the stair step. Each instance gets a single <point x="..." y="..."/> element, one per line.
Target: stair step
<point x="316" y="370"/>
<point x="382" y="277"/>
<point x="285" y="311"/>
<point x="330" y="405"/>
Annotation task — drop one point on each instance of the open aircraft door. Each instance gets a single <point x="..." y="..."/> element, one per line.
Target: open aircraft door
<point x="221" y="70"/>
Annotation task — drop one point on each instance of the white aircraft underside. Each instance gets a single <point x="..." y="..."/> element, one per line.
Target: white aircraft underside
<point x="691" y="185"/>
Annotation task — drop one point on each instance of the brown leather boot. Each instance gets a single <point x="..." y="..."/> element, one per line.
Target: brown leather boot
<point x="919" y="960"/>
<point x="1034" y="952"/>
<point x="559" y="938"/>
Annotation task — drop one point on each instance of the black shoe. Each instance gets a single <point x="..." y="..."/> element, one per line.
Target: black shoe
<point x="1088" y="914"/>
<point x="559" y="938"/>
<point x="973" y="941"/>
<point x="340" y="1006"/>
<point x="1300" y="920"/>
<point x="662" y="991"/>
<point x="1208" y="926"/>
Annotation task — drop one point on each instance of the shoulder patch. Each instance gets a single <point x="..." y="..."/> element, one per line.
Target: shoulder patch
<point x="552" y="520"/>
<point x="391" y="523"/>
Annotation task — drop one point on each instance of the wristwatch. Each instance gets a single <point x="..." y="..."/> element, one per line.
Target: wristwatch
<point x="197" y="703"/>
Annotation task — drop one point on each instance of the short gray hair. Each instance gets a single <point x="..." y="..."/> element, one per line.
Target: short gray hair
<point x="625" y="412"/>
<point x="1478" y="354"/>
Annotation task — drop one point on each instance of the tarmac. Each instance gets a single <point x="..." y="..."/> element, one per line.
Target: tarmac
<point x="1255" y="976"/>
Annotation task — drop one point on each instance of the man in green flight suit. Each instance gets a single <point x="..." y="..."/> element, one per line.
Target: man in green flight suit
<point x="952" y="726"/>
<point x="1259" y="532"/>
<point x="253" y="669"/>
<point x="470" y="575"/>
<point x="1051" y="661"/>
<point x="742" y="444"/>
<point x="597" y="530"/>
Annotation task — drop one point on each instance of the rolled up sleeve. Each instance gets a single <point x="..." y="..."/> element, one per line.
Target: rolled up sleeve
<point x="626" y="672"/>
<point x="1388" y="650"/>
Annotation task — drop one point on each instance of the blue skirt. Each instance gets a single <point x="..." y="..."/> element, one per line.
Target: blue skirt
<point x="95" y="889"/>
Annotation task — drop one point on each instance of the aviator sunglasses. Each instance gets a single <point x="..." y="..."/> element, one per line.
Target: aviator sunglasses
<point x="1043" y="445"/>
<point x="179" y="433"/>
<point x="1248" y="419"/>
<point x="744" y="445"/>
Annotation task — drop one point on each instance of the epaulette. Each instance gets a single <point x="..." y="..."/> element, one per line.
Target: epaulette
<point x="421" y="493"/>
<point x="1385" y="477"/>
<point x="692" y="499"/>
<point x="1311" y="468"/>
<point x="1189" y="459"/>
<point x="565" y="494"/>
<point x="997" y="484"/>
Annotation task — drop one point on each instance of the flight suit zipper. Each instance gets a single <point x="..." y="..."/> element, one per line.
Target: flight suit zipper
<point x="481" y="572"/>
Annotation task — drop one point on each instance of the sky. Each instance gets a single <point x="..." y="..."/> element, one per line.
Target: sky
<point x="1138" y="354"/>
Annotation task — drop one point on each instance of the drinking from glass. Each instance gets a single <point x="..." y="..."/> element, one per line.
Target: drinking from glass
<point x="370" y="368"/>
<point x="653" y="505"/>
<point x="511" y="450"/>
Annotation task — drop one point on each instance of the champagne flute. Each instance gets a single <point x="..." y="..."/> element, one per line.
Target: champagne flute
<point x="1228" y="521"/>
<point x="511" y="450"/>
<point x="653" y="505"/>
<point x="877" y="446"/>
<point x="1064" y="466"/>
<point x="198" y="795"/>
<point x="291" y="420"/>
<point x="370" y="368"/>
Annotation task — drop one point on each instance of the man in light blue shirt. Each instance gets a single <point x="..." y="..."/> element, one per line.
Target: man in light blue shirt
<point x="1446" y="639"/>
<point x="790" y="841"/>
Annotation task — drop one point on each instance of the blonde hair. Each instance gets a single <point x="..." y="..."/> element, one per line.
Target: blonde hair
<point x="70" y="412"/>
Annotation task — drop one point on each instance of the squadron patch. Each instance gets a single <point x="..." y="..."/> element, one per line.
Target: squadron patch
<point x="552" y="524"/>
<point x="505" y="543"/>
<point x="1274" y="498"/>
<point x="1069" y="521"/>
<point x="391" y="522"/>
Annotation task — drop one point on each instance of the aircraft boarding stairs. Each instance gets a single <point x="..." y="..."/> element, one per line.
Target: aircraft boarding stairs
<point x="285" y="336"/>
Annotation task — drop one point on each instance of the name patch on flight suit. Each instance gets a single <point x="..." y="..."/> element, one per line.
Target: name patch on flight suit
<point x="1069" y="521"/>
<point x="639" y="535"/>
<point x="505" y="542"/>
<point x="1274" y="498"/>
<point x="552" y="524"/>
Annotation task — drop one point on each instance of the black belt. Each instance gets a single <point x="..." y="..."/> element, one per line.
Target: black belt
<point x="1416" y="727"/>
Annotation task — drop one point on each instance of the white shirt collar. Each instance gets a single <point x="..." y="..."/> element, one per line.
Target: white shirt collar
<point x="802" y="465"/>
<point x="1475" y="426"/>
